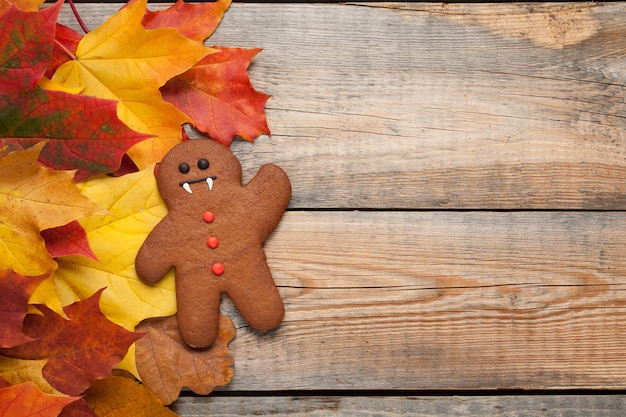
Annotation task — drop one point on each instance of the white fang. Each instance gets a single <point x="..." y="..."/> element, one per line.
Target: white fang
<point x="187" y="188"/>
<point x="209" y="181"/>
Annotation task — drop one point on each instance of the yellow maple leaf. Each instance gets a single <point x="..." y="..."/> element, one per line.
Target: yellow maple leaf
<point x="121" y="60"/>
<point x="34" y="198"/>
<point x="18" y="371"/>
<point x="136" y="207"/>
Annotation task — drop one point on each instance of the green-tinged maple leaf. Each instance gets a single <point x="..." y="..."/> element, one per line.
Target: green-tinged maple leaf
<point x="27" y="400"/>
<point x="147" y="59"/>
<point x="79" y="350"/>
<point x="15" y="289"/>
<point x="32" y="199"/>
<point x="196" y="21"/>
<point x="135" y="207"/>
<point x="25" y="46"/>
<point x="218" y="97"/>
<point x="167" y="364"/>
<point x="67" y="240"/>
<point x="82" y="133"/>
<point x="124" y="397"/>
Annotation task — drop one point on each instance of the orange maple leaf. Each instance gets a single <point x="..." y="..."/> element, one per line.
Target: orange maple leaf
<point x="79" y="350"/>
<point x="27" y="400"/>
<point x="167" y="364"/>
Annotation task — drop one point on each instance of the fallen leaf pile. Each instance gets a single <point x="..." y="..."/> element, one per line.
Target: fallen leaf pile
<point x="83" y="121"/>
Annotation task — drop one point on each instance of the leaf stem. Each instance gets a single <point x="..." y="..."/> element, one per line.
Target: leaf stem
<point x="67" y="51"/>
<point x="77" y="15"/>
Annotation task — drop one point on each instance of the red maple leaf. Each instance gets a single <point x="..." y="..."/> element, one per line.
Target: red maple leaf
<point x="83" y="133"/>
<point x="15" y="290"/>
<point x="218" y="96"/>
<point x="79" y="350"/>
<point x="68" y="240"/>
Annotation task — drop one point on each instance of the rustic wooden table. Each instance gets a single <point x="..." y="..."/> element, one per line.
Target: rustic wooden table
<point x="457" y="226"/>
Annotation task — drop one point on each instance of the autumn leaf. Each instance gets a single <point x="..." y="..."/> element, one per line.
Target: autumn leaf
<point x="27" y="400"/>
<point x="26" y="5"/>
<point x="67" y="240"/>
<point x="147" y="58"/>
<point x="167" y="364"/>
<point x="25" y="45"/>
<point x="82" y="133"/>
<point x="135" y="207"/>
<point x="66" y="40"/>
<point x="15" y="289"/>
<point x="122" y="397"/>
<point x="78" y="409"/>
<point x="79" y="350"/>
<point x="218" y="97"/>
<point x="18" y="371"/>
<point x="196" y="21"/>
<point x="32" y="199"/>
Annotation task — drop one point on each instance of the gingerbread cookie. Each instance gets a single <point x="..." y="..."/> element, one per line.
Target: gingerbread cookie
<point x="213" y="236"/>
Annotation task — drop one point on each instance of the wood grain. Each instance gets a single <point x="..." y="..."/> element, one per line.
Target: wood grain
<point x="418" y="105"/>
<point x="442" y="300"/>
<point x="405" y="128"/>
<point x="414" y="406"/>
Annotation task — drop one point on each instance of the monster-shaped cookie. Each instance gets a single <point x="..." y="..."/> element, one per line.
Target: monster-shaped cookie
<point x="213" y="236"/>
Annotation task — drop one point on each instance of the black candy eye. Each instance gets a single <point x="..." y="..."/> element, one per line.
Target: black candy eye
<point x="184" y="167"/>
<point x="203" y="163"/>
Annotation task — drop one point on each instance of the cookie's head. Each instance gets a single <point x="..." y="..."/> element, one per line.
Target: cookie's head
<point x="196" y="167"/>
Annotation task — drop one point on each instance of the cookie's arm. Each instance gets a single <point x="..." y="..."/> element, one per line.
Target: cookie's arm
<point x="270" y="190"/>
<point x="153" y="260"/>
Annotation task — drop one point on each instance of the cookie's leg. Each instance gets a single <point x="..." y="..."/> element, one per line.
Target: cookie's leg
<point x="198" y="299"/>
<point x="253" y="291"/>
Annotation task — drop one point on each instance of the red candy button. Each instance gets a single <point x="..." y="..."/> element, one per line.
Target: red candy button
<point x="208" y="216"/>
<point x="217" y="268"/>
<point x="212" y="242"/>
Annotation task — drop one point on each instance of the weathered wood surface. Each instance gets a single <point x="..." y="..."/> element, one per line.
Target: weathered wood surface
<point x="443" y="300"/>
<point x="429" y="105"/>
<point x="401" y="112"/>
<point x="503" y="406"/>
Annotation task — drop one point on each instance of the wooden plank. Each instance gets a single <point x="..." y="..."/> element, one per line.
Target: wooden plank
<point x="422" y="105"/>
<point x="415" y="406"/>
<point x="442" y="300"/>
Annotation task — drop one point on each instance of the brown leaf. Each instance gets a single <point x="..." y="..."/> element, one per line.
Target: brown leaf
<point x="122" y="397"/>
<point x="166" y="363"/>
